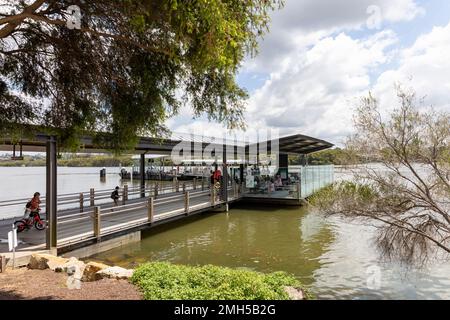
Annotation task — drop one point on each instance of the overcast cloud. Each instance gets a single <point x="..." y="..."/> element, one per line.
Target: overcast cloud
<point x="321" y="56"/>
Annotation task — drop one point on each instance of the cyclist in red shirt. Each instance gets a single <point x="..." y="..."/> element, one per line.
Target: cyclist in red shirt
<point x="33" y="206"/>
<point x="35" y="202"/>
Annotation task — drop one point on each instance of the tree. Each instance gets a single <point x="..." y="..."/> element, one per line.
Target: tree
<point x="130" y="65"/>
<point x="407" y="194"/>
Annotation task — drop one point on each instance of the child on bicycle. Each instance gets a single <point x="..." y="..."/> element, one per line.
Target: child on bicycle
<point x="33" y="206"/>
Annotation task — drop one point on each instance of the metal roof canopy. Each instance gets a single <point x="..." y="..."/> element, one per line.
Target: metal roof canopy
<point x="301" y="144"/>
<point x="295" y="144"/>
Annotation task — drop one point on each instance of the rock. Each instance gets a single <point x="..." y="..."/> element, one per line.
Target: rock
<point x="41" y="261"/>
<point x="71" y="266"/>
<point x="55" y="263"/>
<point x="294" y="293"/>
<point x="115" y="273"/>
<point x="38" y="261"/>
<point x="91" y="269"/>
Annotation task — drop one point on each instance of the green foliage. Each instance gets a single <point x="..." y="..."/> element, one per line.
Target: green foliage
<point x="165" y="281"/>
<point x="345" y="190"/>
<point x="122" y="73"/>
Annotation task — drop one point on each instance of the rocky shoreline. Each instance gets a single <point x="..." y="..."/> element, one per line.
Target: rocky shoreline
<point x="79" y="270"/>
<point x="51" y="277"/>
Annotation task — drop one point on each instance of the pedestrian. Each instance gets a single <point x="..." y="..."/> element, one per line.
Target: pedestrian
<point x="115" y="196"/>
<point x="211" y="177"/>
<point x="217" y="175"/>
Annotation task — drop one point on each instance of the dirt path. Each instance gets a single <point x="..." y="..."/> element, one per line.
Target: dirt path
<point x="48" y="285"/>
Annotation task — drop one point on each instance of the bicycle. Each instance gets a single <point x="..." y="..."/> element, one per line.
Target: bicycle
<point x="27" y="223"/>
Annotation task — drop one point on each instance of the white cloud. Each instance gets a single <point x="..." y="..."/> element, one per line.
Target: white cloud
<point x="317" y="89"/>
<point x="313" y="15"/>
<point x="425" y="67"/>
<point x="313" y="94"/>
<point x="302" y="23"/>
<point x="317" y="69"/>
<point x="316" y="92"/>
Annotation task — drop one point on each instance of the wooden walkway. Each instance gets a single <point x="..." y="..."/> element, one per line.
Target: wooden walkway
<point x="75" y="228"/>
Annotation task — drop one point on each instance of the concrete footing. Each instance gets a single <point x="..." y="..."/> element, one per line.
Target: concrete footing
<point x="220" y="208"/>
<point x="105" y="245"/>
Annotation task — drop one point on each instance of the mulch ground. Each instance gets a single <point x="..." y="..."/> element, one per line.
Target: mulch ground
<point x="48" y="285"/>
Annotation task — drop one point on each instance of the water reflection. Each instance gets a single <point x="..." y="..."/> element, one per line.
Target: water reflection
<point x="330" y="255"/>
<point x="245" y="238"/>
<point x="327" y="254"/>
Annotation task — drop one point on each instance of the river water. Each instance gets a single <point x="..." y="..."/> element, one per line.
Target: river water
<point x="335" y="259"/>
<point x="23" y="182"/>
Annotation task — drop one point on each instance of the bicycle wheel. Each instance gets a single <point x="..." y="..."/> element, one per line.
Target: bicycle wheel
<point x="40" y="225"/>
<point x="20" y="225"/>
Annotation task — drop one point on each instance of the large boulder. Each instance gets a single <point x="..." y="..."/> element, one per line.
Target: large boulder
<point x="115" y="273"/>
<point x="91" y="269"/>
<point x="73" y="265"/>
<point x="294" y="293"/>
<point x="41" y="261"/>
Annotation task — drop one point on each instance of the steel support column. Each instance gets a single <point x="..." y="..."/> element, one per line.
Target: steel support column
<point x="283" y="164"/>
<point x="241" y="174"/>
<point x="142" y="165"/>
<point x="225" y="175"/>
<point x="51" y="194"/>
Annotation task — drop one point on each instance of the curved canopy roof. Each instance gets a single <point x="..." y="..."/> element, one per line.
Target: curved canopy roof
<point x="295" y="144"/>
<point x="300" y="144"/>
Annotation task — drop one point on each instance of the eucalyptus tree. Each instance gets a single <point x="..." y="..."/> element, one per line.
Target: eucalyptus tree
<point x="127" y="66"/>
<point x="407" y="191"/>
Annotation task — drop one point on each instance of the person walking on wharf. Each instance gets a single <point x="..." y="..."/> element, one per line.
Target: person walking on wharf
<point x="115" y="196"/>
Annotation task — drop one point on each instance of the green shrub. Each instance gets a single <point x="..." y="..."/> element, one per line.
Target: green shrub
<point x="165" y="281"/>
<point x="338" y="191"/>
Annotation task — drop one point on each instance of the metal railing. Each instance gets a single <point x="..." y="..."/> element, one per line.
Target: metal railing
<point x="148" y="206"/>
<point x="80" y="201"/>
<point x="90" y="212"/>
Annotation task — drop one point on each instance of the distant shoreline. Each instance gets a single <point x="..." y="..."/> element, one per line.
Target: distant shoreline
<point x="97" y="161"/>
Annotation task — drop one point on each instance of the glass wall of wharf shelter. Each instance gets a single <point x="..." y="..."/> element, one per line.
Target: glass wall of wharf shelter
<point x="263" y="180"/>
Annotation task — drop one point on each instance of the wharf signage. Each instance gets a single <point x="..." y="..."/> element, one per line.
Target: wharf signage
<point x="12" y="239"/>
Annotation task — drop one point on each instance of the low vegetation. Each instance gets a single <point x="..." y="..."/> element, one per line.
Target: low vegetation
<point x="328" y="197"/>
<point x="165" y="281"/>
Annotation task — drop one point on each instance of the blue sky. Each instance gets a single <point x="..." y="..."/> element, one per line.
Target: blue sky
<point x="321" y="56"/>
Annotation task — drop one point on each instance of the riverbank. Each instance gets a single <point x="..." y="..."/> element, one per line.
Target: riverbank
<point x="48" y="277"/>
<point x="25" y="284"/>
<point x="74" y="162"/>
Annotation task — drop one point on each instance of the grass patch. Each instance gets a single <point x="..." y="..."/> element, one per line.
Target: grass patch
<point x="165" y="281"/>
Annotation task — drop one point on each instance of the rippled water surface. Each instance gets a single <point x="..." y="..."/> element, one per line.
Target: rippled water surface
<point x="334" y="258"/>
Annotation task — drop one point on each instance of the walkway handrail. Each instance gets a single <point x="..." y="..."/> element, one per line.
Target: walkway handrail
<point x="148" y="204"/>
<point x="158" y="201"/>
<point x="64" y="218"/>
<point x="85" y="196"/>
<point x="75" y="195"/>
